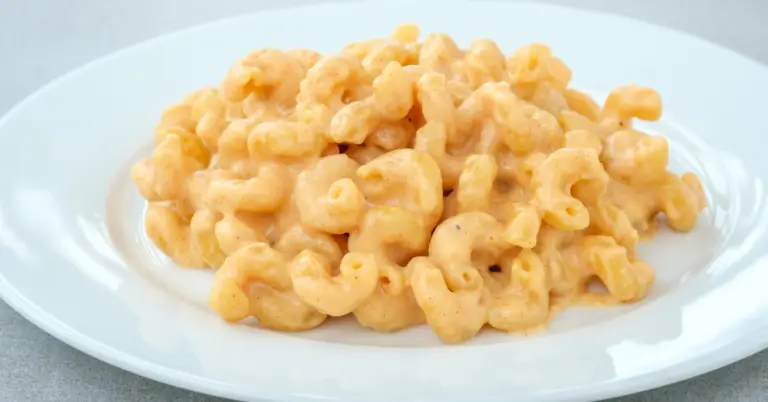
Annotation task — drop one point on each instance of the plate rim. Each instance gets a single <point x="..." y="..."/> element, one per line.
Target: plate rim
<point x="183" y="380"/>
<point x="736" y="349"/>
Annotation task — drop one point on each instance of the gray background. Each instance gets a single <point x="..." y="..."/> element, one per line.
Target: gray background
<point x="41" y="39"/>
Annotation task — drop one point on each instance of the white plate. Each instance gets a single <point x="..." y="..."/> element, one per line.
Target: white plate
<point x="75" y="261"/>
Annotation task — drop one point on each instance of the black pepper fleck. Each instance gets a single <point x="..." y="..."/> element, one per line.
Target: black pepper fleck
<point x="458" y="227"/>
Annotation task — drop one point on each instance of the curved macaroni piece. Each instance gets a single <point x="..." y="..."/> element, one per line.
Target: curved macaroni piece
<point x="582" y="104"/>
<point x="262" y="193"/>
<point x="392" y="306"/>
<point x="199" y="119"/>
<point x="391" y="136"/>
<point x="478" y="106"/>
<point x="256" y="262"/>
<point x="409" y="178"/>
<point x="164" y="175"/>
<point x="405" y="33"/>
<point x="534" y="64"/>
<point x="639" y="203"/>
<point x="267" y="74"/>
<point x="392" y="235"/>
<point x="384" y="227"/>
<point x="627" y="102"/>
<point x="524" y="304"/>
<point x="183" y="119"/>
<point x="178" y="117"/>
<point x="171" y="234"/>
<point x="437" y="104"/>
<point x="285" y="139"/>
<point x="233" y="142"/>
<point x="476" y="183"/>
<point x="432" y="139"/>
<point x="392" y="100"/>
<point x="540" y="125"/>
<point x="608" y="219"/>
<point x="484" y="63"/>
<point x="191" y="145"/>
<point x="455" y="241"/>
<point x="254" y="281"/>
<point x="454" y="315"/>
<point x="384" y="55"/>
<point x="572" y="121"/>
<point x="523" y="227"/>
<point x="209" y="111"/>
<point x="393" y="93"/>
<point x="334" y="295"/>
<point x="330" y="81"/>
<point x="438" y="53"/>
<point x="681" y="200"/>
<point x="297" y="239"/>
<point x="635" y="157"/>
<point x="626" y="280"/>
<point x="282" y="310"/>
<point x="203" y="237"/>
<point x="232" y="234"/>
<point x="328" y="198"/>
<point x="553" y="181"/>
<point x="353" y="123"/>
<point x="524" y="127"/>
<point x="198" y="185"/>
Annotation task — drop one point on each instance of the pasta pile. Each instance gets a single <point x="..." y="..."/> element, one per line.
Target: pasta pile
<point x="406" y="181"/>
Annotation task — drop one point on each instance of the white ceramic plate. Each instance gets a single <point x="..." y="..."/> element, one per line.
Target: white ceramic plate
<point x="75" y="261"/>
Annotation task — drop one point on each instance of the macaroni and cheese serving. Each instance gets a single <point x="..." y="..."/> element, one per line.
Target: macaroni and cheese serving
<point x="409" y="182"/>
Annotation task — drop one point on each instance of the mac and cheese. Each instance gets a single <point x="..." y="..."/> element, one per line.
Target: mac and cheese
<point x="407" y="182"/>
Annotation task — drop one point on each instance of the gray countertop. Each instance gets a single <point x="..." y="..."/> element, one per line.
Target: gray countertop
<point x="41" y="39"/>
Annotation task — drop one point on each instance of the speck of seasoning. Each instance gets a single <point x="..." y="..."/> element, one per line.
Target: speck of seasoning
<point x="458" y="227"/>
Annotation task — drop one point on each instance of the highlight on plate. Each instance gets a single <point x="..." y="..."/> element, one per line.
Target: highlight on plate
<point x="409" y="182"/>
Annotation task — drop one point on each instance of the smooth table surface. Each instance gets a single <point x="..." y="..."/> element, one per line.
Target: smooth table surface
<point x="42" y="39"/>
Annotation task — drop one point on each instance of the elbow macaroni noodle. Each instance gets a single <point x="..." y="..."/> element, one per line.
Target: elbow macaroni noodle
<point x="407" y="182"/>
